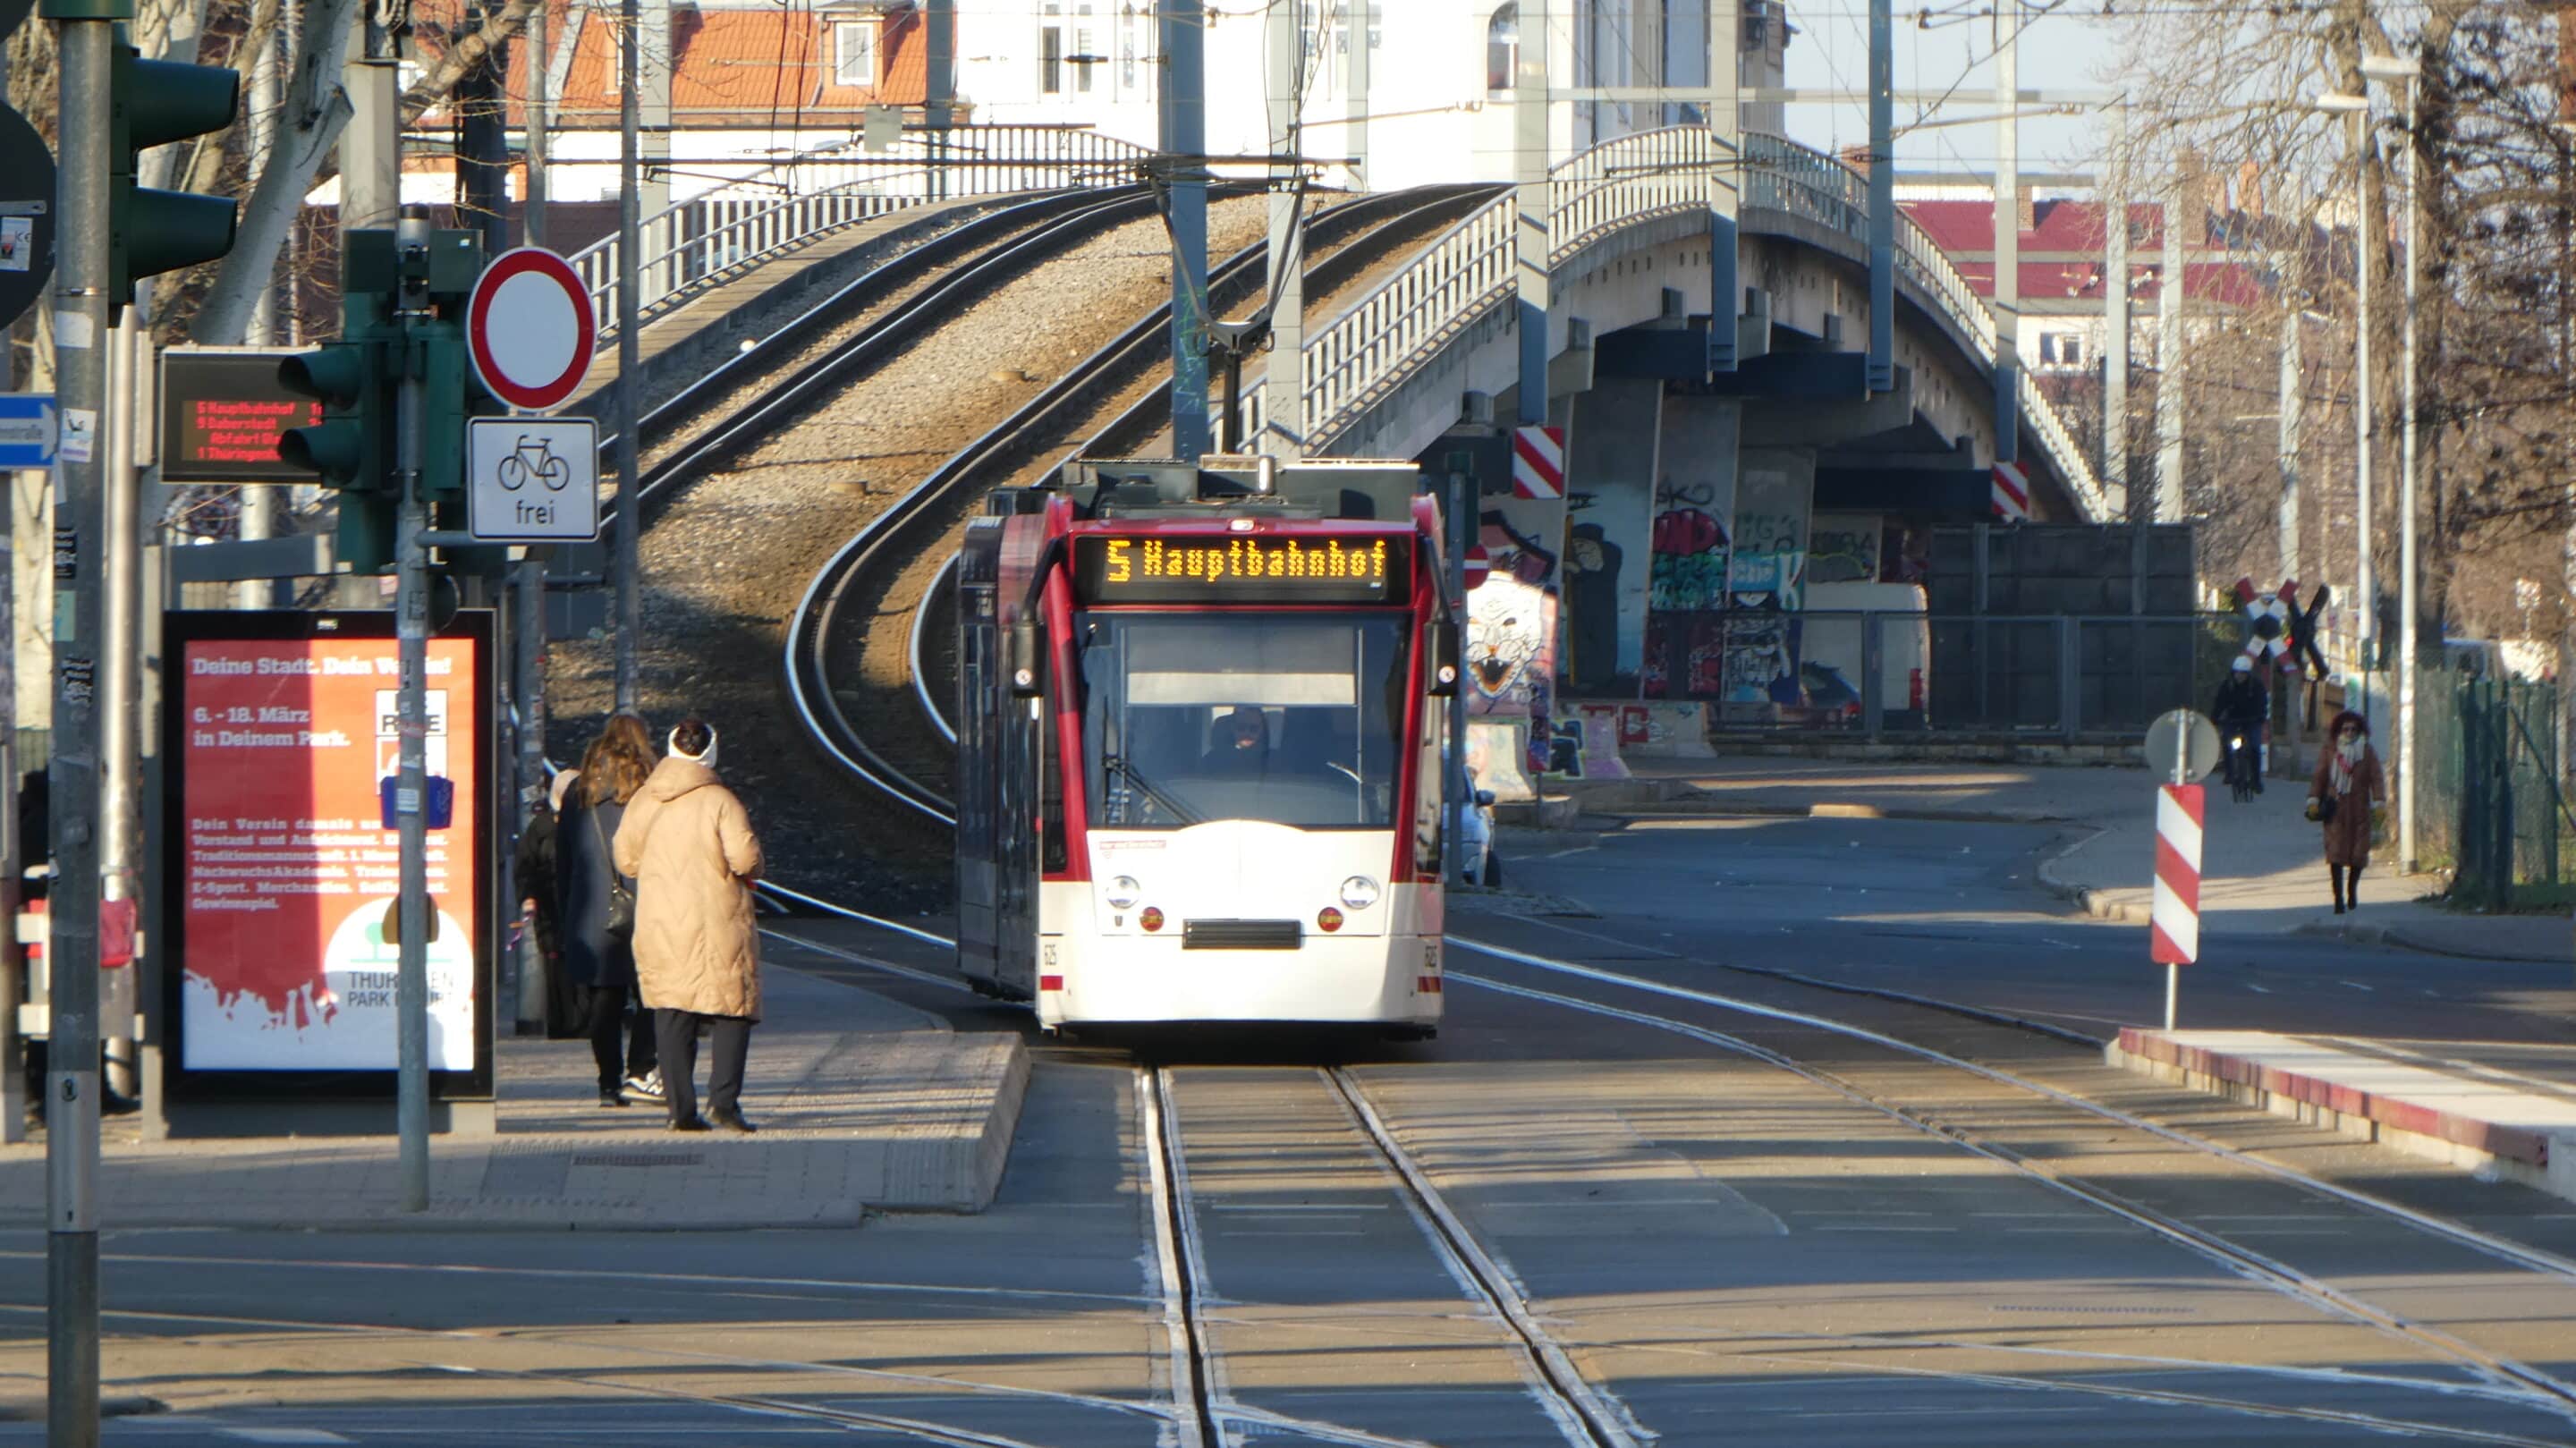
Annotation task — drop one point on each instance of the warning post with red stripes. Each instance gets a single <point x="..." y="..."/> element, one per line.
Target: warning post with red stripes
<point x="2187" y="744"/>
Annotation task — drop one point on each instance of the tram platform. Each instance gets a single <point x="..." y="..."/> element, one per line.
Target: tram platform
<point x="862" y="1104"/>
<point x="2502" y="1109"/>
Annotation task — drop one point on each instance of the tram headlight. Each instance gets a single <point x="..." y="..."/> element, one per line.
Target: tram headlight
<point x="1359" y="892"/>
<point x="1124" y="892"/>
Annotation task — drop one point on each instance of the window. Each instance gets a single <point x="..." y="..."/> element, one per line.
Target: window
<point x="854" y="54"/>
<point x="2070" y="350"/>
<point x="1503" y="48"/>
<point x="2048" y="346"/>
<point x="1296" y="718"/>
<point x="1083" y="56"/>
<point x="1050" y="54"/>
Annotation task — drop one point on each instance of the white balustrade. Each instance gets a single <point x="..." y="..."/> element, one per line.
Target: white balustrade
<point x="705" y="240"/>
<point x="1414" y="313"/>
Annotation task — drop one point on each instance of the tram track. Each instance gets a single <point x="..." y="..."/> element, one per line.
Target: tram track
<point x="2488" y="1374"/>
<point x="870" y="593"/>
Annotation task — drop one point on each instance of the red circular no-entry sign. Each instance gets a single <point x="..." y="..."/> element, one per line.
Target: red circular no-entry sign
<point x="1480" y="565"/>
<point x="530" y="329"/>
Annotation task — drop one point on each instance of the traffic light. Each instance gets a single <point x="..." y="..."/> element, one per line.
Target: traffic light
<point x="150" y="232"/>
<point x="352" y="447"/>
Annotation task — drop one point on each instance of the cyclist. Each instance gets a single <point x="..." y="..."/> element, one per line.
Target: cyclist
<point x="2241" y="710"/>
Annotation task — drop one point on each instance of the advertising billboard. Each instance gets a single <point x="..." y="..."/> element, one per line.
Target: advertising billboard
<point x="279" y="730"/>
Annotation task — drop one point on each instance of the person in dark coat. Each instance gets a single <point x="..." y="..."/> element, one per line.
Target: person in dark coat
<point x="2243" y="707"/>
<point x="539" y="901"/>
<point x="595" y="957"/>
<point x="2345" y="798"/>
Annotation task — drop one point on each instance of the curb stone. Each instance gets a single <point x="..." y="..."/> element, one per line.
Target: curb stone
<point x="2399" y="937"/>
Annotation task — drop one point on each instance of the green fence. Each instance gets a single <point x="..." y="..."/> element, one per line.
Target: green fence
<point x="2489" y="804"/>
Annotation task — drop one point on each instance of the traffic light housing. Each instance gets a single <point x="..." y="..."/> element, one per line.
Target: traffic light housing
<point x="352" y="447"/>
<point x="150" y="232"/>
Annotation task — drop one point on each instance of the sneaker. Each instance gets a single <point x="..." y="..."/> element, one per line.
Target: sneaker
<point x="608" y="1096"/>
<point x="648" y="1085"/>
<point x="731" y="1121"/>
<point x="694" y="1123"/>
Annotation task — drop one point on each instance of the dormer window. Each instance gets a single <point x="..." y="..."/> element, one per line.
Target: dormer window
<point x="854" y="53"/>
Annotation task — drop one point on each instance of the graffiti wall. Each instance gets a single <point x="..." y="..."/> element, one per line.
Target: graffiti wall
<point x="1691" y="538"/>
<point x="1611" y="469"/>
<point x="1511" y="655"/>
<point x="1844" y="548"/>
<point x="1769" y="566"/>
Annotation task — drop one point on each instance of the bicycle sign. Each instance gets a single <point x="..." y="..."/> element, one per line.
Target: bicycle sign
<point x="532" y="479"/>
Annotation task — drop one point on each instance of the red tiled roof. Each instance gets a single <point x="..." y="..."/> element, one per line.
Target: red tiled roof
<point x="1963" y="227"/>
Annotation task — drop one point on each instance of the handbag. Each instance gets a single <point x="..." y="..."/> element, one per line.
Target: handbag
<point x="621" y="900"/>
<point x="2321" y="808"/>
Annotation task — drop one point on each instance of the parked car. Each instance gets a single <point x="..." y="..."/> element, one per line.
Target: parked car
<point x="1477" y="862"/>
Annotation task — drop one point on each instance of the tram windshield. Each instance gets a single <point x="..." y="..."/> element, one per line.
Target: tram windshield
<point x="1292" y="718"/>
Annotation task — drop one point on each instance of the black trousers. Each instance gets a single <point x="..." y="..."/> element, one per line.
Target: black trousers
<point x="728" y="1045"/>
<point x="606" y="1023"/>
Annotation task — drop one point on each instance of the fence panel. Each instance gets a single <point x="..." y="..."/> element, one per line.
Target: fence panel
<point x="2506" y="818"/>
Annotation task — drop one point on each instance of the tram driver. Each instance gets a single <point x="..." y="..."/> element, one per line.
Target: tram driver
<point x="1239" y="743"/>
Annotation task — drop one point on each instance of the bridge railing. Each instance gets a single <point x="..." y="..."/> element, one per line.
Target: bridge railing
<point x="1618" y="184"/>
<point x="695" y="244"/>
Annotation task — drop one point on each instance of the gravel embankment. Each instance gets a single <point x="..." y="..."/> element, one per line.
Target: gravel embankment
<point x="727" y="560"/>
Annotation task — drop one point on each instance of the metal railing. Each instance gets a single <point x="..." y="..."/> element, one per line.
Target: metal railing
<point x="696" y="244"/>
<point x="1370" y="349"/>
<point x="1884" y="673"/>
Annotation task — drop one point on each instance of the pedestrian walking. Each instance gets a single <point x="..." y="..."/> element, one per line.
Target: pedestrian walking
<point x="540" y="905"/>
<point x="597" y="911"/>
<point x="2345" y="798"/>
<point x="689" y="845"/>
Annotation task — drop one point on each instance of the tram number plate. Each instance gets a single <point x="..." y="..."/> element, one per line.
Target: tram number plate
<point x="1244" y="568"/>
<point x="1242" y="934"/>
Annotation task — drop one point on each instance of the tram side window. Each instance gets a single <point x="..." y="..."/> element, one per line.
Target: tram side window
<point x="1051" y="790"/>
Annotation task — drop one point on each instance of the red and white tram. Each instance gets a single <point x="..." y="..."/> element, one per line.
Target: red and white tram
<point x="1199" y="748"/>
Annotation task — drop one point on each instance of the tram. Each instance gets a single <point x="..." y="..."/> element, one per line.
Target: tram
<point x="1199" y="745"/>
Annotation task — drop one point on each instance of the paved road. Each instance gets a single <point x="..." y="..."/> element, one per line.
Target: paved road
<point x="1733" y="1226"/>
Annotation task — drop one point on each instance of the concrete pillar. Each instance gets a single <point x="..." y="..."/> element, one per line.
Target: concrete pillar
<point x="1614" y="448"/>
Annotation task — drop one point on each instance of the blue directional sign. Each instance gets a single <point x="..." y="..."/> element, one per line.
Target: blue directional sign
<point x="26" y="430"/>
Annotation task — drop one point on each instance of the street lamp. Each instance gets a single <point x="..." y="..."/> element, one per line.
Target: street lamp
<point x="2396" y="68"/>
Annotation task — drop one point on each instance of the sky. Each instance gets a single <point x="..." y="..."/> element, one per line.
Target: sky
<point x="1829" y="48"/>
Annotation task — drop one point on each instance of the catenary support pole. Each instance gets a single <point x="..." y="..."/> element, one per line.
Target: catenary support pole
<point x="2409" y="488"/>
<point x="1283" y="385"/>
<point x="2007" y="377"/>
<point x="411" y="635"/>
<point x="1725" y="180"/>
<point x="2365" y="246"/>
<point x="2293" y="421"/>
<point x="1360" y="17"/>
<point x="1882" y="198"/>
<point x="1183" y="117"/>
<point x="1530" y="196"/>
<point x="630" y="359"/>
<point x="2115" y="317"/>
<point x="2182" y="221"/>
<point x="72" y="1075"/>
<point x="528" y="658"/>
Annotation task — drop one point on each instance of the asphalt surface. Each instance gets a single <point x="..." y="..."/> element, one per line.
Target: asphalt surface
<point x="1739" y="1227"/>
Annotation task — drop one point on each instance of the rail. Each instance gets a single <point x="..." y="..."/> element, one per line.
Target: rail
<point x="693" y="245"/>
<point x="1622" y="183"/>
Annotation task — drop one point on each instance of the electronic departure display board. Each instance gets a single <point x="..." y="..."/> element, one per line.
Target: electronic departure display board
<point x="1244" y="568"/>
<point x="222" y="413"/>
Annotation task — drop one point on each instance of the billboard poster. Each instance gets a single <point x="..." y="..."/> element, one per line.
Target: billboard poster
<point x="281" y="728"/>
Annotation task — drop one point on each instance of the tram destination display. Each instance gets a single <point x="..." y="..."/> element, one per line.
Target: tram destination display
<point x="1244" y="568"/>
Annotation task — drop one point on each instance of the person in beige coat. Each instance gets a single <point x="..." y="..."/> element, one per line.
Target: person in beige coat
<point x="688" y="844"/>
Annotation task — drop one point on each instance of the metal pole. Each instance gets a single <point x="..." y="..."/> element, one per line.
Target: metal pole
<point x="1882" y="198"/>
<point x="1462" y="532"/>
<point x="529" y="613"/>
<point x="2293" y="405"/>
<point x="1359" y="16"/>
<point x="532" y="205"/>
<point x="2171" y="297"/>
<point x="2115" y="317"/>
<point x="2408" y="485"/>
<point x="1529" y="178"/>
<point x="1283" y="386"/>
<point x="411" y="633"/>
<point x="72" y="1075"/>
<point x="2365" y="586"/>
<point x="120" y="685"/>
<point x="1183" y="117"/>
<point x="2008" y="232"/>
<point x="1725" y="114"/>
<point x="630" y="359"/>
